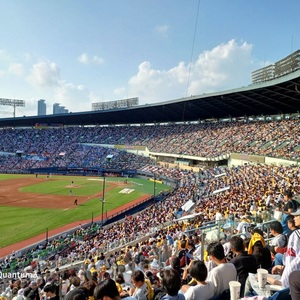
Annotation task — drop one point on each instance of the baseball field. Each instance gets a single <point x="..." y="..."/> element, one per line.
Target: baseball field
<point x="30" y="205"/>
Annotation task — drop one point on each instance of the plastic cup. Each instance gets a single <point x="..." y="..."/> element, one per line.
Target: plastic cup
<point x="235" y="290"/>
<point x="262" y="277"/>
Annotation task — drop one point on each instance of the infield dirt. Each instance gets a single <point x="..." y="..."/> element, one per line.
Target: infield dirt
<point x="11" y="196"/>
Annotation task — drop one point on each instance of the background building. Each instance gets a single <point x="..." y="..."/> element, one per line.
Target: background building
<point x="58" y="109"/>
<point x="42" y="107"/>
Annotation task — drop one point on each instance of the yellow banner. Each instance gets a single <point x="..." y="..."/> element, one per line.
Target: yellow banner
<point x="143" y="148"/>
<point x="158" y="181"/>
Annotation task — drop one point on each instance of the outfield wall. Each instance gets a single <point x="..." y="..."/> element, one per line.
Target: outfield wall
<point x="165" y="180"/>
<point x="82" y="171"/>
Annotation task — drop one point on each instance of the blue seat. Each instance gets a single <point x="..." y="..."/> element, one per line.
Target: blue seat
<point x="281" y="295"/>
<point x="223" y="296"/>
<point x="218" y="297"/>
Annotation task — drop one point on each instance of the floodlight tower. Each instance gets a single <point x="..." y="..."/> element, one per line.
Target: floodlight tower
<point x="12" y="102"/>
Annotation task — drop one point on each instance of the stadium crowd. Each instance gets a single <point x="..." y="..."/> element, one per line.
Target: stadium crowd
<point x="168" y="258"/>
<point x="135" y="271"/>
<point x="63" y="146"/>
<point x="77" y="156"/>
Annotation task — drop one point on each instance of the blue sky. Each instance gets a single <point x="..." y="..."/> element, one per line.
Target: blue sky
<point x="79" y="52"/>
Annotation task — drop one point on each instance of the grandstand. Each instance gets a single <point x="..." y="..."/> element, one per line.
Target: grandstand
<point x="232" y="153"/>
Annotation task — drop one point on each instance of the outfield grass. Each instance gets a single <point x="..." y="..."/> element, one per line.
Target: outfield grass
<point x="20" y="223"/>
<point x="59" y="187"/>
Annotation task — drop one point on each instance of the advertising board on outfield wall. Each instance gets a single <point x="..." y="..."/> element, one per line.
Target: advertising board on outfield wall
<point x="142" y="148"/>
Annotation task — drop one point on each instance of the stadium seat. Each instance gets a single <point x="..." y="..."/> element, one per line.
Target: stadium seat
<point x="223" y="296"/>
<point x="218" y="297"/>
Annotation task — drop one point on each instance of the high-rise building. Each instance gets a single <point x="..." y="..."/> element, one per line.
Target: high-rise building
<point x="58" y="109"/>
<point x="42" y="107"/>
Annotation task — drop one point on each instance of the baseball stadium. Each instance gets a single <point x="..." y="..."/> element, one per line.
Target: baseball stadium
<point x="156" y="183"/>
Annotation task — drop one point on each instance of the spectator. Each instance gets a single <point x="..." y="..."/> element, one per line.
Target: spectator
<point x="279" y="239"/>
<point x="158" y="291"/>
<point x="244" y="263"/>
<point x="261" y="253"/>
<point x="278" y="260"/>
<point x="223" y="272"/>
<point x="50" y="290"/>
<point x="294" y="281"/>
<point x="171" y="283"/>
<point x="76" y="294"/>
<point x="290" y="206"/>
<point x="292" y="262"/>
<point x="244" y="227"/>
<point x="203" y="290"/>
<point x="107" y="289"/>
<point x="143" y="291"/>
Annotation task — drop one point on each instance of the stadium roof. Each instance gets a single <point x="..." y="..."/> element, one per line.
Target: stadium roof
<point x="279" y="96"/>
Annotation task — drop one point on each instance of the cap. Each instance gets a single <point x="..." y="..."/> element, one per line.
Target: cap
<point x="296" y="213"/>
<point x="154" y="264"/>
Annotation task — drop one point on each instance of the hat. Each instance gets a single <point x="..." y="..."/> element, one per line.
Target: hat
<point x="296" y="213"/>
<point x="256" y="237"/>
<point x="154" y="264"/>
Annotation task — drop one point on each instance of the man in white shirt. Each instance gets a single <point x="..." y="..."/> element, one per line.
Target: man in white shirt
<point x="244" y="227"/>
<point x="224" y="272"/>
<point x="279" y="239"/>
<point x="218" y="217"/>
<point x="138" y="280"/>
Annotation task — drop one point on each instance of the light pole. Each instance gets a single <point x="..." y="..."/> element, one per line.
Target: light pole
<point x="154" y="188"/>
<point x="102" y="212"/>
<point x="102" y="199"/>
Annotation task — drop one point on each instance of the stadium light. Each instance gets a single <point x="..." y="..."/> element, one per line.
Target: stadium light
<point x="12" y="102"/>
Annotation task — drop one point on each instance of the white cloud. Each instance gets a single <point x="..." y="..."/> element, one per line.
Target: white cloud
<point x="225" y="66"/>
<point x="74" y="98"/>
<point x="16" y="69"/>
<point x="98" y="60"/>
<point x="2" y="73"/>
<point x="119" y="91"/>
<point x="93" y="98"/>
<point x="162" y="29"/>
<point x="84" y="59"/>
<point x="44" y="74"/>
<point x="4" y="56"/>
<point x="26" y="56"/>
